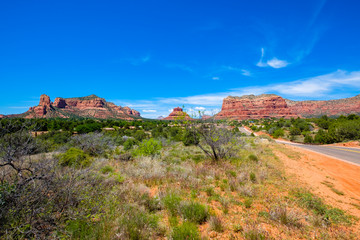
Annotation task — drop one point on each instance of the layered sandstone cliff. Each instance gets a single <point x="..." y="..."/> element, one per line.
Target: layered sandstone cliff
<point x="91" y="106"/>
<point x="178" y="114"/>
<point x="271" y="105"/>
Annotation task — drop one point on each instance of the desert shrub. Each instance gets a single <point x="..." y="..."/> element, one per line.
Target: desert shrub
<point x="216" y="224"/>
<point x="138" y="224"/>
<point x="254" y="233"/>
<point x="94" y="144"/>
<point x="140" y="135"/>
<point x="186" y="231"/>
<point x="252" y="177"/>
<point x="248" y="202"/>
<point x="124" y="157"/>
<point x="278" y="133"/>
<point x="107" y="169"/>
<point x="314" y="203"/>
<point x="308" y="139"/>
<point x="194" y="212"/>
<point x="148" y="147"/>
<point x="129" y="143"/>
<point x="284" y="216"/>
<point x="74" y="157"/>
<point x="253" y="157"/>
<point x="87" y="128"/>
<point x="189" y="138"/>
<point x="171" y="202"/>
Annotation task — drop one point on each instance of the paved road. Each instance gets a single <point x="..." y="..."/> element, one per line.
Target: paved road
<point x="351" y="155"/>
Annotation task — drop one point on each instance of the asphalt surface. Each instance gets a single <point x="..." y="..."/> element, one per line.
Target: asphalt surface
<point x="347" y="154"/>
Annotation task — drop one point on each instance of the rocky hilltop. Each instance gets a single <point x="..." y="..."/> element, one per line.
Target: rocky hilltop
<point x="90" y="106"/>
<point x="271" y="105"/>
<point x="178" y="114"/>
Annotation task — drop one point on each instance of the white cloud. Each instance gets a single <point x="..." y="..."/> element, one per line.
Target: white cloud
<point x="149" y="110"/>
<point x="215" y="78"/>
<point x="200" y="108"/>
<point x="274" y="62"/>
<point x="236" y="69"/>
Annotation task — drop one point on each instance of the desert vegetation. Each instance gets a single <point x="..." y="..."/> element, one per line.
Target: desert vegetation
<point x="111" y="179"/>
<point x="322" y="130"/>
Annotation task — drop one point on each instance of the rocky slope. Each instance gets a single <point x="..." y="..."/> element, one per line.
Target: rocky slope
<point x="271" y="105"/>
<point x="178" y="114"/>
<point x="91" y="106"/>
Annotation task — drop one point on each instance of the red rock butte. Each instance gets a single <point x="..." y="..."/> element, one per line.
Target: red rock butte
<point x="90" y="106"/>
<point x="271" y="105"/>
<point x="178" y="114"/>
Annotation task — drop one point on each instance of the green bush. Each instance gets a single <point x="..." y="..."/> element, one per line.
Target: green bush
<point x="190" y="138"/>
<point x="186" y="231"/>
<point x="129" y="143"/>
<point x="107" y="169"/>
<point x="74" y="157"/>
<point x="149" y="147"/>
<point x="194" y="212"/>
<point x="253" y="157"/>
<point x="171" y="202"/>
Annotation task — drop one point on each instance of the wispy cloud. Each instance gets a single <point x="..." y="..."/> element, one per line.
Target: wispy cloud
<point x="215" y="78"/>
<point x="274" y="62"/>
<point x="236" y="69"/>
<point x="149" y="111"/>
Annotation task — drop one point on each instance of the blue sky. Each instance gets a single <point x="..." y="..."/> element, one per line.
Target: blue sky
<point x="156" y="55"/>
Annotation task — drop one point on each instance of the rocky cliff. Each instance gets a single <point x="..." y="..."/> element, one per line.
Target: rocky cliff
<point x="271" y="105"/>
<point x="91" y="106"/>
<point x="254" y="107"/>
<point x="337" y="107"/>
<point x="178" y="114"/>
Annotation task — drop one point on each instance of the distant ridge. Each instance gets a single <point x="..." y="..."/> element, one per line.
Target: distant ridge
<point x="90" y="106"/>
<point x="271" y="105"/>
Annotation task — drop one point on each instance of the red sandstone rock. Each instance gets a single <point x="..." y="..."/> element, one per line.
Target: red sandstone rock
<point x="178" y="114"/>
<point x="254" y="107"/>
<point x="90" y="106"/>
<point x="270" y="105"/>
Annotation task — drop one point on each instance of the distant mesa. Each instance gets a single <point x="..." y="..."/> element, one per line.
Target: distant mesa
<point x="178" y="114"/>
<point x="160" y="118"/>
<point x="271" y="105"/>
<point x="205" y="117"/>
<point x="90" y="107"/>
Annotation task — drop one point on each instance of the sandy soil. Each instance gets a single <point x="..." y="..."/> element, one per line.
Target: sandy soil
<point x="348" y="144"/>
<point x="323" y="174"/>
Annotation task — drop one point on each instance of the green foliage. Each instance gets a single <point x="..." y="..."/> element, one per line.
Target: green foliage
<point x="171" y="202"/>
<point x="138" y="224"/>
<point x="308" y="139"/>
<point x="252" y="177"/>
<point x="74" y="157"/>
<point x="315" y="204"/>
<point x="129" y="143"/>
<point x="248" y="202"/>
<point x="87" y="128"/>
<point x="253" y="157"/>
<point x="186" y="231"/>
<point x="194" y="212"/>
<point x="216" y="224"/>
<point x="148" y="147"/>
<point x="107" y="169"/>
<point x="190" y="138"/>
<point x="140" y="135"/>
<point x="278" y="133"/>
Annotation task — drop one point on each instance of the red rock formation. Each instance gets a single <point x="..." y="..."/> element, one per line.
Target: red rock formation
<point x="2" y="116"/>
<point x="337" y="107"/>
<point x="178" y="114"/>
<point x="270" y="105"/>
<point x="90" y="106"/>
<point x="254" y="107"/>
